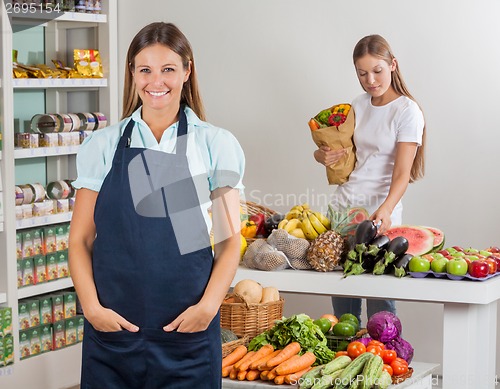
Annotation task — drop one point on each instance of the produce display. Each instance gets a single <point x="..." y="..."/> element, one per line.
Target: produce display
<point x="294" y="352"/>
<point x="457" y="263"/>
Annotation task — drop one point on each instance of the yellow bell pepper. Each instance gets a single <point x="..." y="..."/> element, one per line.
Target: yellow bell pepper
<point x="248" y="229"/>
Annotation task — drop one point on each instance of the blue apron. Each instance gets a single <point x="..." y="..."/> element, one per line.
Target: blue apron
<point x="141" y="274"/>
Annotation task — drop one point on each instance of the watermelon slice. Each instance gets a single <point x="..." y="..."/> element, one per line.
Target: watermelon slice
<point x="438" y="238"/>
<point x="420" y="239"/>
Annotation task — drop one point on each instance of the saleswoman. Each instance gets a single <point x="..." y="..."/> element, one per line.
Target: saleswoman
<point x="140" y="254"/>
<point x="389" y="137"/>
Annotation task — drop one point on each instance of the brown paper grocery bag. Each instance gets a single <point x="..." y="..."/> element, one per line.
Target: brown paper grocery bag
<point x="339" y="138"/>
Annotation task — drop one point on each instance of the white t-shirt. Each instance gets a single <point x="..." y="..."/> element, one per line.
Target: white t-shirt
<point x="377" y="132"/>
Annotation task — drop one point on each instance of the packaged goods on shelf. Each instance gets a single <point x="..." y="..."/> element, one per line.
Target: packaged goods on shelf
<point x="87" y="63"/>
<point x="6" y="350"/>
<point x="5" y="321"/>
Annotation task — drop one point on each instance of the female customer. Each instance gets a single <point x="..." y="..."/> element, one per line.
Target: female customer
<point x="140" y="255"/>
<point x="389" y="137"/>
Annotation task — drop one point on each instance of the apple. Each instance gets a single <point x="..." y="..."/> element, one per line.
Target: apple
<point x="458" y="248"/>
<point x="485" y="253"/>
<point x="438" y="255"/>
<point x="497" y="260"/>
<point x="492" y="265"/>
<point x="439" y="265"/>
<point x="478" y="269"/>
<point x="494" y="249"/>
<point x="457" y="267"/>
<point x="471" y="250"/>
<point x="451" y="250"/>
<point x="458" y="254"/>
<point x="471" y="257"/>
<point x="444" y="252"/>
<point x="419" y="264"/>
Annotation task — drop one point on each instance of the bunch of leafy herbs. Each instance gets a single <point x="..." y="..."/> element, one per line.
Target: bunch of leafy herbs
<point x="297" y="328"/>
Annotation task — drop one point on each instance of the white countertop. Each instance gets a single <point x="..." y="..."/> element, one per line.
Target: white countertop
<point x="378" y="286"/>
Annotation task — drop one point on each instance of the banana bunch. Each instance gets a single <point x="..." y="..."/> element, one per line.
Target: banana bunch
<point x="304" y="223"/>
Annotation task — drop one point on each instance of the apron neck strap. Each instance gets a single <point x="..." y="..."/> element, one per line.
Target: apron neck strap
<point x="181" y="133"/>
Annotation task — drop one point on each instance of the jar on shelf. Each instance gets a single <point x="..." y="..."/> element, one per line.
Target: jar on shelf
<point x="80" y="6"/>
<point x="97" y="6"/>
<point x="88" y="121"/>
<point x="68" y="5"/>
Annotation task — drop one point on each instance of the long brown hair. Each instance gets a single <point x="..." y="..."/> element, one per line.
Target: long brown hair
<point x="169" y="35"/>
<point x="378" y="47"/>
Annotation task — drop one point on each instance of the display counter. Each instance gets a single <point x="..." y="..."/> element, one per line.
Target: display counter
<point x="470" y="312"/>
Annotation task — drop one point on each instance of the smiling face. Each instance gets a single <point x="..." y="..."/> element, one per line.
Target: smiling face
<point x="375" y="76"/>
<point x="159" y="76"/>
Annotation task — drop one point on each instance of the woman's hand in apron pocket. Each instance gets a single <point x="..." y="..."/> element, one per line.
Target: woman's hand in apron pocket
<point x="106" y="320"/>
<point x="196" y="318"/>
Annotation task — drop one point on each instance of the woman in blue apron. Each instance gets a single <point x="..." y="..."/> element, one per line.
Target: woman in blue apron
<point x="140" y="255"/>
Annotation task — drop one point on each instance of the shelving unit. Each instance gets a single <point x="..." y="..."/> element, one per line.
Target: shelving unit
<point x="60" y="36"/>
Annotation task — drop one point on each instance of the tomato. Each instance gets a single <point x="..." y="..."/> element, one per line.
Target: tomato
<point x="340" y="353"/>
<point x="399" y="368"/>
<point x="401" y="360"/>
<point x="388" y="369"/>
<point x="374" y="342"/>
<point x="355" y="349"/>
<point x="389" y="355"/>
<point x="377" y="350"/>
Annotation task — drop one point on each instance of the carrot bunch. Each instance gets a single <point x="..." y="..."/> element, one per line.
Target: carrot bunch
<point x="279" y="366"/>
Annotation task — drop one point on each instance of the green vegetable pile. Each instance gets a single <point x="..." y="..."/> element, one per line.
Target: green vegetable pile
<point x="297" y="328"/>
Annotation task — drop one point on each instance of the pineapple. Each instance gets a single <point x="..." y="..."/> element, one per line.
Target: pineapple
<point x="326" y="251"/>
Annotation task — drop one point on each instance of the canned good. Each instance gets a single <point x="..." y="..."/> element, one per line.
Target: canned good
<point x="40" y="192"/>
<point x="28" y="193"/>
<point x="72" y="190"/>
<point x="88" y="121"/>
<point x="64" y="122"/>
<point x="101" y="119"/>
<point x="58" y="190"/>
<point x="44" y="123"/>
<point x="19" y="195"/>
<point x="76" y="121"/>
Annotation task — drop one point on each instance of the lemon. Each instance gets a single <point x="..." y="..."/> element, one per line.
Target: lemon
<point x="243" y="247"/>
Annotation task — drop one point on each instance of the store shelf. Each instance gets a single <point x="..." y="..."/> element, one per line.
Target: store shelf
<point x="45" y="152"/>
<point x="3" y="298"/>
<point x="43" y="220"/>
<point x="44" y="83"/>
<point x="46" y="287"/>
<point x="78" y="17"/>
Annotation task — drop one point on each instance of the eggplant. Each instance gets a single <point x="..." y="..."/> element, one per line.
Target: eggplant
<point x="400" y="268"/>
<point x="381" y="242"/>
<point x="398" y="246"/>
<point x="365" y="232"/>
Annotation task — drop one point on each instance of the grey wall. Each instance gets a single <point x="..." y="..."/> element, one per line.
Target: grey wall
<point x="266" y="67"/>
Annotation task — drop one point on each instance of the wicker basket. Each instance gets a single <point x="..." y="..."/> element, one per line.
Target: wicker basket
<point x="252" y="208"/>
<point x="339" y="343"/>
<point x="250" y="319"/>
<point x="228" y="347"/>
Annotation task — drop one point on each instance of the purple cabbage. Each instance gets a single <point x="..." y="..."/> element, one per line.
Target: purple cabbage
<point x="384" y="326"/>
<point x="365" y="340"/>
<point x="402" y="347"/>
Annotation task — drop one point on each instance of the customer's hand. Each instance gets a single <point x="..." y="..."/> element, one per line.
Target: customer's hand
<point x="382" y="218"/>
<point x="327" y="156"/>
<point x="194" y="319"/>
<point x="107" y="320"/>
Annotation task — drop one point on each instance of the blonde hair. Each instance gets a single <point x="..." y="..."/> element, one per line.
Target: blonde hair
<point x="169" y="35"/>
<point x="377" y="46"/>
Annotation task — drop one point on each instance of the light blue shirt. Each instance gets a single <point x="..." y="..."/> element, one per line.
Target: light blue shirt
<point x="210" y="150"/>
